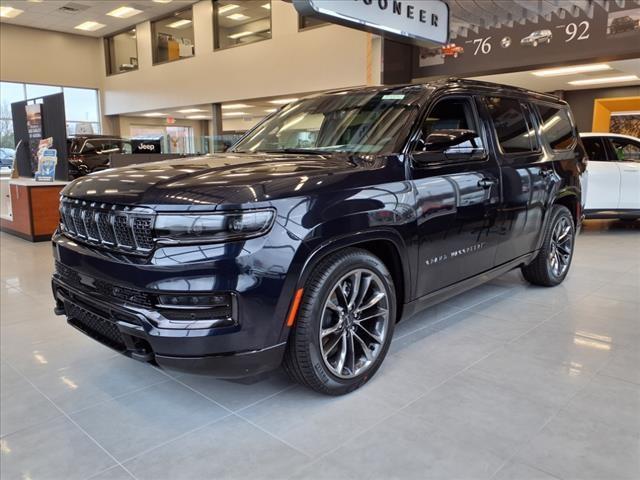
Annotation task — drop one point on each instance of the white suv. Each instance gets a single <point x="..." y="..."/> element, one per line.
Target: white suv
<point x="613" y="174"/>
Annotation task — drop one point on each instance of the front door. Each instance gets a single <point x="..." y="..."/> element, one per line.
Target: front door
<point x="457" y="196"/>
<point x="627" y="151"/>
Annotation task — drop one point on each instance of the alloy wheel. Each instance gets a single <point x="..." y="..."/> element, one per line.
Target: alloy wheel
<point x="561" y="246"/>
<point x="354" y="323"/>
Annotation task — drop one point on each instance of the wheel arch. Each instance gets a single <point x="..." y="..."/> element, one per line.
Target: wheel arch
<point x="387" y="245"/>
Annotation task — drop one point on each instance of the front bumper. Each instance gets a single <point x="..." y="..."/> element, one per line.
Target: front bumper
<point x="127" y="332"/>
<point x="115" y="300"/>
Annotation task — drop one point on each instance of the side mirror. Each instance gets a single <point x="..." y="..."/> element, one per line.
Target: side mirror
<point x="441" y="140"/>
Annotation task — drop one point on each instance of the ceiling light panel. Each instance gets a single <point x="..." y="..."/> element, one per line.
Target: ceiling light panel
<point x="601" y="80"/>
<point x="162" y="1"/>
<point x="235" y="106"/>
<point x="267" y="6"/>
<point x="10" y="12"/>
<point x="124" y="12"/>
<point x="155" y="114"/>
<point x="190" y="110"/>
<point x="90" y="26"/>
<point x="283" y="101"/>
<point x="226" y="8"/>
<point x="240" y="35"/>
<point x="238" y="17"/>
<point x="198" y="117"/>
<point x="180" y="23"/>
<point x="234" y="114"/>
<point x="556" y="72"/>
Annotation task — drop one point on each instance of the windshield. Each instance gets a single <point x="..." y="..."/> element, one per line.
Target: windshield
<point x="355" y="122"/>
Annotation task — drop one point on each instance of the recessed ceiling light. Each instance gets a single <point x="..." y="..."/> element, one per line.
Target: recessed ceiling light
<point x="198" y="117"/>
<point x="10" y="12"/>
<point x="271" y="110"/>
<point x="227" y="8"/>
<point x="190" y="110"/>
<point x="238" y="16"/>
<point x="267" y="6"/>
<point x="155" y="114"/>
<point x="179" y="24"/>
<point x="235" y="106"/>
<point x="282" y="101"/>
<point x="555" y="72"/>
<point x="596" y="81"/>
<point x="239" y="35"/>
<point x="161" y="1"/>
<point x="124" y="12"/>
<point x="234" y="114"/>
<point x="90" y="26"/>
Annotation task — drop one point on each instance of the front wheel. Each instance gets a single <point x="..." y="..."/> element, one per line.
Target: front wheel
<point x="552" y="263"/>
<point x="344" y="325"/>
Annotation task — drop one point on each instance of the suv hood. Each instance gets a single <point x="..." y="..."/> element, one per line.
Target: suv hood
<point x="213" y="179"/>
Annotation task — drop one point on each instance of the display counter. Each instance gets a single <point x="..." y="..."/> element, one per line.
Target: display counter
<point x="29" y="208"/>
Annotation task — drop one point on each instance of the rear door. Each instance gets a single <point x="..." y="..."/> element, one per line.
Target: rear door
<point x="457" y="198"/>
<point x="627" y="152"/>
<point x="526" y="176"/>
<point x="603" y="174"/>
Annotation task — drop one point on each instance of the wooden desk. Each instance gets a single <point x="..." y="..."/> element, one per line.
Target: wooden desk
<point x="34" y="213"/>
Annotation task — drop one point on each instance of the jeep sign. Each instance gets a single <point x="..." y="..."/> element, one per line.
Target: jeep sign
<point x="421" y="22"/>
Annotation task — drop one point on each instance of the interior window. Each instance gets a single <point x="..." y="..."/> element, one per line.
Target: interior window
<point x="556" y="127"/>
<point x="626" y="150"/>
<point x="451" y="114"/>
<point x="596" y="148"/>
<point x="512" y="129"/>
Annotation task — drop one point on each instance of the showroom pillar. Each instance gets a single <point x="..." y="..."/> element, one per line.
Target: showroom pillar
<point x="215" y="128"/>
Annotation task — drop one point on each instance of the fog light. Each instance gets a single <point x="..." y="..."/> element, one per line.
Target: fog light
<point x="195" y="301"/>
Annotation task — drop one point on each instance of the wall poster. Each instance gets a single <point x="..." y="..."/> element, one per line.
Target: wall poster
<point x="34" y="129"/>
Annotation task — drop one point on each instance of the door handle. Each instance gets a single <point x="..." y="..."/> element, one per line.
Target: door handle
<point x="486" y="182"/>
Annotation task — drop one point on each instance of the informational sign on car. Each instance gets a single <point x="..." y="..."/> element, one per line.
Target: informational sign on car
<point x="611" y="34"/>
<point x="421" y="22"/>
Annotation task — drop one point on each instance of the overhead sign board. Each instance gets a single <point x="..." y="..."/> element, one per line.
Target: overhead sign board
<point x="421" y="22"/>
<point x="596" y="35"/>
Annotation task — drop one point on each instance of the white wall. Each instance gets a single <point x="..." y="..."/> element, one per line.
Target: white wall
<point x="38" y="56"/>
<point x="291" y="62"/>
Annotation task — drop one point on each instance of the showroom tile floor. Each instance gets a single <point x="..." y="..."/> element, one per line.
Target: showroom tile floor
<point x="507" y="381"/>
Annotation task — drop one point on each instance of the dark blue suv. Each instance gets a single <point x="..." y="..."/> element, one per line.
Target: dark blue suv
<point x="322" y="227"/>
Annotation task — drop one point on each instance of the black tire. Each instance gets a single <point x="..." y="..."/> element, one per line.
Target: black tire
<point x="304" y="361"/>
<point x="541" y="270"/>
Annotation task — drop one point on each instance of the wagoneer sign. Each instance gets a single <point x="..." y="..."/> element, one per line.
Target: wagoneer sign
<point x="423" y="22"/>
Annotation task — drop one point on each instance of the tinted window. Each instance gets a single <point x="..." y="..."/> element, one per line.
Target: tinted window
<point x="452" y="113"/>
<point x="626" y="150"/>
<point x="556" y="127"/>
<point x="595" y="147"/>
<point x="512" y="129"/>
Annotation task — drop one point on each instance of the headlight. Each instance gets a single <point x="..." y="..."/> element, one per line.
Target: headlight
<point x="212" y="227"/>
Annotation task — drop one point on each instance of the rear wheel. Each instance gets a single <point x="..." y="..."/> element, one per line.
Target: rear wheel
<point x="344" y="325"/>
<point x="552" y="263"/>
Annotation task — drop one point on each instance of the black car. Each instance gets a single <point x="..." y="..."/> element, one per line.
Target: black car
<point x="328" y="222"/>
<point x="88" y="154"/>
<point x="623" y="24"/>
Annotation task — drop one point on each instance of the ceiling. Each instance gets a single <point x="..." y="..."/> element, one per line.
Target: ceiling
<point x="549" y="84"/>
<point x="64" y="15"/>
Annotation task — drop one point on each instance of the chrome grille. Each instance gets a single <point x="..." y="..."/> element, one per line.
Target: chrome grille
<point x="124" y="229"/>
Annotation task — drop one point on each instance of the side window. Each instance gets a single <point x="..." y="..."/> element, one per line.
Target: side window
<point x="596" y="148"/>
<point x="454" y="113"/>
<point x="556" y="127"/>
<point x="626" y="150"/>
<point x="515" y="135"/>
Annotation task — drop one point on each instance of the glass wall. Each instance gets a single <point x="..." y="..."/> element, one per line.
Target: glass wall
<point x="173" y="37"/>
<point x="176" y="138"/>
<point x="81" y="108"/>
<point x="121" y="52"/>
<point x="238" y="22"/>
